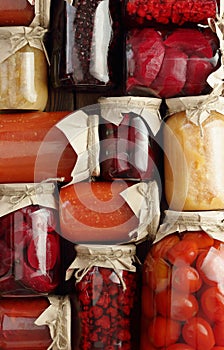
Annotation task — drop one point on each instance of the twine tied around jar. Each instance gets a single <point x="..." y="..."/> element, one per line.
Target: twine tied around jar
<point x="115" y="257"/>
<point x="32" y="37"/>
<point x="56" y="318"/>
<point x="17" y="196"/>
<point x="199" y="113"/>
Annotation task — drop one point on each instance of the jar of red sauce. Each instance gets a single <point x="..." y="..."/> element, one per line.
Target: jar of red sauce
<point x="38" y="149"/>
<point x="16" y="13"/>
<point x="29" y="239"/>
<point x="35" y="323"/>
<point x="182" y="284"/>
<point x="193" y="147"/>
<point x="102" y="212"/>
<point x="106" y="280"/>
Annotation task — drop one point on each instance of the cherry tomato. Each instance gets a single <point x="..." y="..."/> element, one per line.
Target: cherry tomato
<point x="157" y="276"/>
<point x="218" y="348"/>
<point x="219" y="334"/>
<point x="186" y="279"/>
<point x="198" y="333"/>
<point x="163" y="331"/>
<point x="148" y="308"/>
<point x="179" y="346"/>
<point x="212" y="303"/>
<point x="199" y="265"/>
<point x="184" y="252"/>
<point x="160" y="248"/>
<point x="177" y="306"/>
<point x="201" y="238"/>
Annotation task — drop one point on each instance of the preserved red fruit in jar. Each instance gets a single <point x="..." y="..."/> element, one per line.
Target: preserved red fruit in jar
<point x="182" y="292"/>
<point x="29" y="240"/>
<point x="166" y="64"/>
<point x="177" y="12"/>
<point x="127" y="132"/>
<point x="108" y="211"/>
<point x="38" y="149"/>
<point x="192" y="148"/>
<point x="106" y="280"/>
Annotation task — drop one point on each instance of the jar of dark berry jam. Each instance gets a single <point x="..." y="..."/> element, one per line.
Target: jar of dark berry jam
<point x="128" y="129"/>
<point x="37" y="323"/>
<point x="29" y="239"/>
<point x="86" y="53"/>
<point x="106" y="286"/>
<point x="182" y="285"/>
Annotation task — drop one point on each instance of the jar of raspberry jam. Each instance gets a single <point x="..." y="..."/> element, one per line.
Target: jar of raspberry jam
<point x="182" y="283"/>
<point x="29" y="239"/>
<point x="193" y="149"/>
<point x="35" y="323"/>
<point x="16" y="13"/>
<point x="106" y="281"/>
<point x="128" y="129"/>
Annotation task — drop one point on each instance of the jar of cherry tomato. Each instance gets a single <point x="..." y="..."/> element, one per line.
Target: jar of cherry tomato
<point x="193" y="148"/>
<point x="182" y="285"/>
<point x="128" y="129"/>
<point x="29" y="239"/>
<point x="38" y="323"/>
<point x="106" y="285"/>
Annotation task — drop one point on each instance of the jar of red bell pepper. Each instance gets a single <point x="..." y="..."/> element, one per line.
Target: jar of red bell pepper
<point x="106" y="280"/>
<point x="182" y="284"/>
<point x="29" y="239"/>
<point x="172" y="62"/>
<point x="37" y="323"/>
<point x="128" y="129"/>
<point x="193" y="147"/>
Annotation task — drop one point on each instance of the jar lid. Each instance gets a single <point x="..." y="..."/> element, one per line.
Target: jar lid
<point x="197" y="108"/>
<point x="211" y="222"/>
<point x="115" y="257"/>
<point x="19" y="195"/>
<point x="112" y="109"/>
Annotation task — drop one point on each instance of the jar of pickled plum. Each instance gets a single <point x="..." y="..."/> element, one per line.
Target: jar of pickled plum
<point x="193" y="149"/>
<point x="128" y="129"/>
<point x="170" y="63"/>
<point x="35" y="323"/>
<point x="103" y="212"/>
<point x="23" y="66"/>
<point x="29" y="239"/>
<point x="106" y="280"/>
<point x="182" y="284"/>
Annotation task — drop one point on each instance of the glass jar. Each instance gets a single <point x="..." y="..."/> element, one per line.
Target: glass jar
<point x="170" y="63"/>
<point x="29" y="323"/>
<point x="38" y="149"/>
<point x="23" y="65"/>
<point x="83" y="57"/>
<point x="182" y="284"/>
<point x="143" y="12"/>
<point x="29" y="239"/>
<point x="128" y="129"/>
<point x="108" y="212"/>
<point x="106" y="283"/>
<point x="193" y="149"/>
